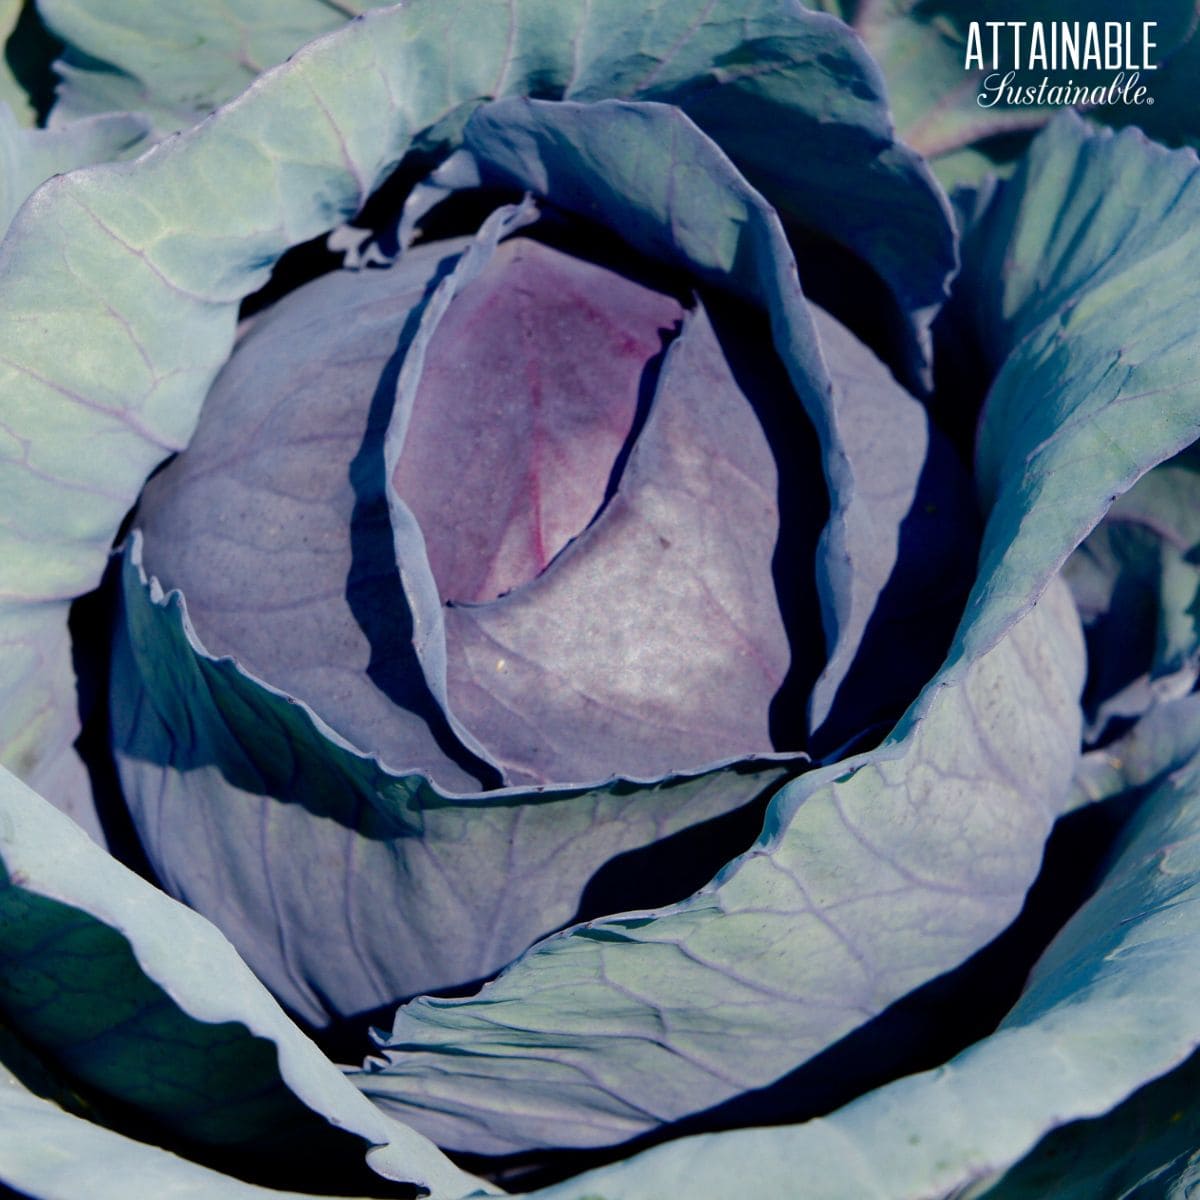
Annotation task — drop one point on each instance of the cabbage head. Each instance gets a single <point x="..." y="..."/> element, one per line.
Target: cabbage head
<point x="598" y="600"/>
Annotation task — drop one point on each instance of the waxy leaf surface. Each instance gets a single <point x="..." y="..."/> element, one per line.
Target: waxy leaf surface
<point x="112" y="980"/>
<point x="52" y="1154"/>
<point x="529" y="390"/>
<point x="274" y="522"/>
<point x="660" y="637"/>
<point x="1094" y="346"/>
<point x="1050" y="1101"/>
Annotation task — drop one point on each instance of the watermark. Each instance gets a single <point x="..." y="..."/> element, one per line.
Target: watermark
<point x="1024" y="62"/>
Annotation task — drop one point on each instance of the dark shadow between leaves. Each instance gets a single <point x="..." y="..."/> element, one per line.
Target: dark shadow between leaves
<point x="802" y="500"/>
<point x="647" y="386"/>
<point x="374" y="591"/>
<point x="29" y="54"/>
<point x="962" y="375"/>
<point x="916" y="612"/>
<point x="1121" y="641"/>
<point x="652" y="876"/>
<point x="309" y="260"/>
<point x="670" y="870"/>
<point x="91" y="622"/>
<point x="837" y="280"/>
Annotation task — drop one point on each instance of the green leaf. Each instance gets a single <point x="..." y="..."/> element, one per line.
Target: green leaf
<point x="1145" y="1149"/>
<point x="143" y="1002"/>
<point x="1136" y="582"/>
<point x="1173" y="118"/>
<point x="39" y="720"/>
<point x="754" y="76"/>
<point x="921" y="48"/>
<point x="1066" y="276"/>
<point x="177" y="61"/>
<point x="1162" y="741"/>
<point x="1108" y="1009"/>
<point x="53" y="1155"/>
<point x="31" y="156"/>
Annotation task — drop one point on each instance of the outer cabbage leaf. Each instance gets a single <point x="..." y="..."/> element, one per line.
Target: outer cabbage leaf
<point x="1135" y="574"/>
<point x="921" y="48"/>
<point x="53" y="1155"/>
<point x="1064" y="276"/>
<point x="116" y="276"/>
<point x="1173" y="118"/>
<point x="1158" y="1135"/>
<point x="28" y="157"/>
<point x="143" y="1002"/>
<point x="177" y="62"/>
<point x="1108" y="1009"/>
<point x="1053" y="457"/>
<point x="37" y="728"/>
<point x="738" y="70"/>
